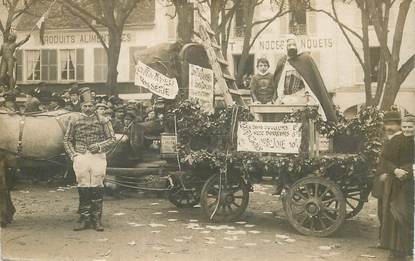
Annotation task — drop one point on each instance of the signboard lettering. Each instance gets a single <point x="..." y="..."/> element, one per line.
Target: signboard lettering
<point x="201" y="86"/>
<point x="155" y="82"/>
<point x="276" y="137"/>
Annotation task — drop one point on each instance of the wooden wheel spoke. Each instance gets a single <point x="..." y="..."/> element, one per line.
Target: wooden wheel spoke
<point x="234" y="203"/>
<point x="349" y="204"/>
<point x="328" y="217"/>
<point x="300" y="194"/>
<point x="323" y="226"/>
<point x="316" y="185"/>
<point x="356" y="199"/>
<point x="324" y="193"/>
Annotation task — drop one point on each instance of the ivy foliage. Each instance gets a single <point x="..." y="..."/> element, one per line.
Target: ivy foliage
<point x="206" y="143"/>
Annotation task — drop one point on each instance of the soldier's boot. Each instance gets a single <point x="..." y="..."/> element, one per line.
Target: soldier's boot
<point x="84" y="209"/>
<point x="96" y="207"/>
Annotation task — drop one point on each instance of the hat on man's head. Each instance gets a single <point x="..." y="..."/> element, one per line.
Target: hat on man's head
<point x="85" y="95"/>
<point x="101" y="105"/>
<point x="409" y="118"/>
<point x="392" y="116"/>
<point x="120" y="108"/>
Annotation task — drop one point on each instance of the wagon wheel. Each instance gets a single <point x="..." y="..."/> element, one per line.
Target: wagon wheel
<point x="182" y="198"/>
<point x="315" y="206"/>
<point x="228" y="197"/>
<point x="355" y="197"/>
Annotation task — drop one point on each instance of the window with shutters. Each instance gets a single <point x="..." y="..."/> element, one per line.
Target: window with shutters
<point x="71" y="64"/>
<point x="49" y="65"/>
<point x="32" y="65"/>
<point x="19" y="65"/>
<point x="100" y="65"/>
<point x="239" y="29"/>
<point x="297" y="18"/>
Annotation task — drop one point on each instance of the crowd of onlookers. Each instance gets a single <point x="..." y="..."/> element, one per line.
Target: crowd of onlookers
<point x="121" y="112"/>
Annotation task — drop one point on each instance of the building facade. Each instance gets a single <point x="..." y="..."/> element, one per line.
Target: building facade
<point x="71" y="52"/>
<point x="340" y="69"/>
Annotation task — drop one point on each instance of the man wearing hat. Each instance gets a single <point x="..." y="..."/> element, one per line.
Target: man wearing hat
<point x="73" y="92"/>
<point x="118" y="121"/>
<point x="391" y="127"/>
<point x="101" y="109"/>
<point x="86" y="141"/>
<point x="55" y="102"/>
<point x="32" y="103"/>
<point x="9" y="102"/>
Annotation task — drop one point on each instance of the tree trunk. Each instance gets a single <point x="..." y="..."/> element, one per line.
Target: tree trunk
<point x="249" y="7"/>
<point x="367" y="72"/>
<point x="113" y="55"/>
<point x="185" y="18"/>
<point x="7" y="209"/>
<point x="391" y="88"/>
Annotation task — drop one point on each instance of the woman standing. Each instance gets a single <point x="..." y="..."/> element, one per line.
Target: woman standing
<point x="398" y="198"/>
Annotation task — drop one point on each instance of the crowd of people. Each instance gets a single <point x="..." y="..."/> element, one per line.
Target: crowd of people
<point x="120" y="112"/>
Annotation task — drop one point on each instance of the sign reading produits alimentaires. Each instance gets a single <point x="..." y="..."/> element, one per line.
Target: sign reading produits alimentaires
<point x="80" y="38"/>
<point x="275" y="137"/>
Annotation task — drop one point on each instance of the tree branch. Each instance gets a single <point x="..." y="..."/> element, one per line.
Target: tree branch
<point x="81" y="10"/>
<point x="90" y="25"/>
<point x="349" y="41"/>
<point x="406" y="69"/>
<point x="335" y="19"/>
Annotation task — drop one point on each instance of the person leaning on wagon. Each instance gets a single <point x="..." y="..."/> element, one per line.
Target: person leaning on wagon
<point x="86" y="141"/>
<point x="392" y="127"/>
<point x="397" y="229"/>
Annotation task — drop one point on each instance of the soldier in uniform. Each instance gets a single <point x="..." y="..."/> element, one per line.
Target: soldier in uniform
<point x="86" y="141"/>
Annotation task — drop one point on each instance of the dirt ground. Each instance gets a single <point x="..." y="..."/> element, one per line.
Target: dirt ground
<point x="142" y="227"/>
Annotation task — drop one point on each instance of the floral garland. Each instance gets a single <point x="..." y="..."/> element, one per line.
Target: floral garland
<point x="215" y="152"/>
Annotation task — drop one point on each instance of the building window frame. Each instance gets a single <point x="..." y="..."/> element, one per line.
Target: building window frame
<point x="100" y="65"/>
<point x="27" y="54"/>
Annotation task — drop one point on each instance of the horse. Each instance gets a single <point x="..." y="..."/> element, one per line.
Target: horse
<point x="34" y="139"/>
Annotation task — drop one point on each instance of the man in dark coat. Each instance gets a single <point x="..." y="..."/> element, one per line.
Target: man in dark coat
<point x="398" y="197"/>
<point x="304" y="68"/>
<point x="392" y="127"/>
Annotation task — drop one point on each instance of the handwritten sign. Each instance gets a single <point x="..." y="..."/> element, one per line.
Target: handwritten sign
<point x="201" y="86"/>
<point x="276" y="137"/>
<point x="324" y="143"/>
<point x="168" y="143"/>
<point x="155" y="82"/>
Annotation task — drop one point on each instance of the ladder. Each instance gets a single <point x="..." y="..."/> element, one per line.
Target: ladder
<point x="225" y="79"/>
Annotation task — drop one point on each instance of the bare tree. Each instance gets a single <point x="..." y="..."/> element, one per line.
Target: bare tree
<point x="110" y="15"/>
<point x="390" y="75"/>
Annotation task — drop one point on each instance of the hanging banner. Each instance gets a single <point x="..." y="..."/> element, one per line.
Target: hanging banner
<point x="276" y="137"/>
<point x="201" y="86"/>
<point x="155" y="82"/>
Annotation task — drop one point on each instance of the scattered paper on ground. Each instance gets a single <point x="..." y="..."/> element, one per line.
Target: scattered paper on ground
<point x="119" y="214"/>
<point x="235" y="232"/>
<point x="132" y="243"/>
<point x="156" y="225"/>
<point x="254" y="231"/>
<point x="172" y="219"/>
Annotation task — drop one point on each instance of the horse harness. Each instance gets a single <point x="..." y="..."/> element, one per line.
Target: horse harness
<point x="22" y="122"/>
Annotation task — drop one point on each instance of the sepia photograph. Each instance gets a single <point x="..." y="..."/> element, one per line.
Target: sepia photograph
<point x="207" y="130"/>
